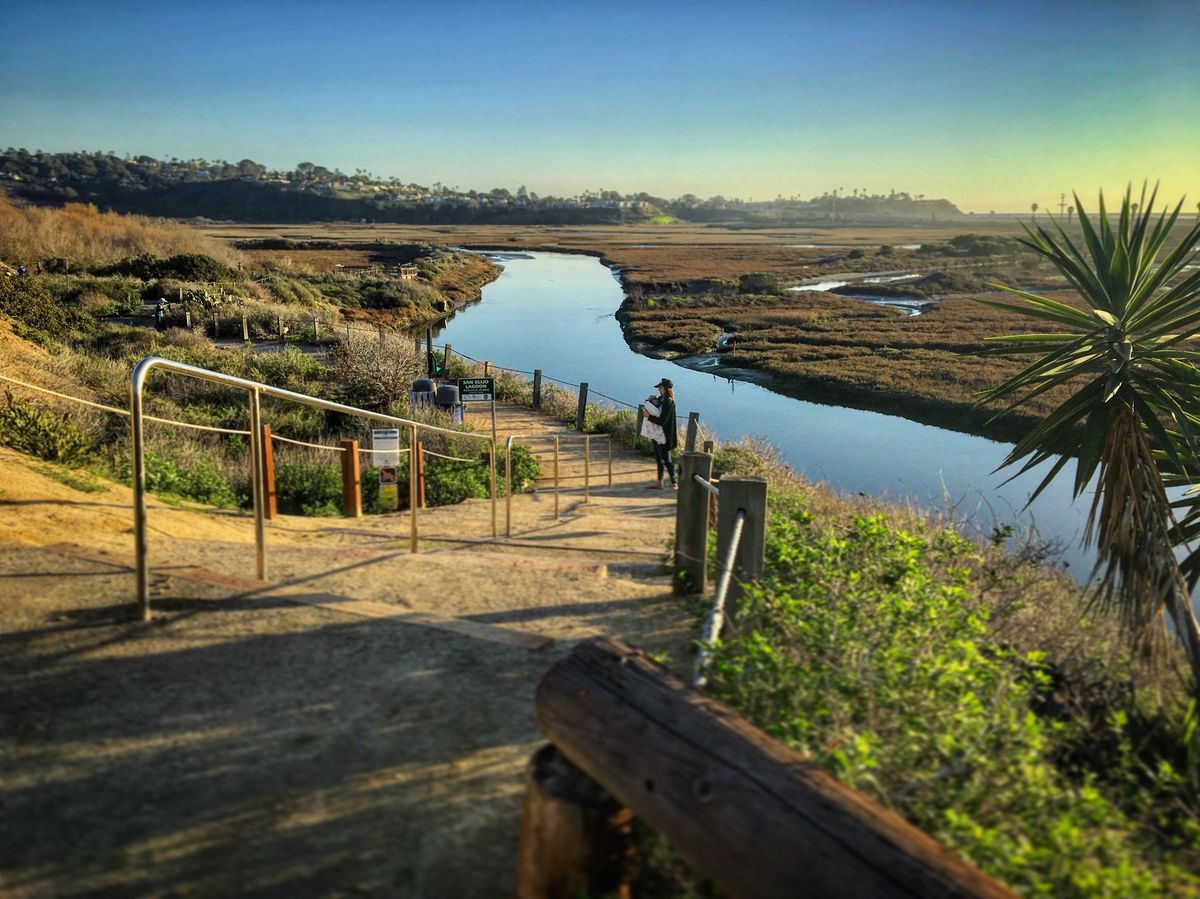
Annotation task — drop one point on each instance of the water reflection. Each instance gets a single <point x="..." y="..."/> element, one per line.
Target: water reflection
<point x="556" y="312"/>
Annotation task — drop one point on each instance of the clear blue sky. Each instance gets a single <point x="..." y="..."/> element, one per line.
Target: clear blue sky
<point x="993" y="105"/>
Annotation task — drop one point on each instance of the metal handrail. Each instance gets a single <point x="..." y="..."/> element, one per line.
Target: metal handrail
<point x="256" y="391"/>
<point x="587" y="454"/>
<point x="707" y="485"/>
<point x="716" y="615"/>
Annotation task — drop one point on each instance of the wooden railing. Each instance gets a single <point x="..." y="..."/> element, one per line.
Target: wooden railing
<point x="631" y="738"/>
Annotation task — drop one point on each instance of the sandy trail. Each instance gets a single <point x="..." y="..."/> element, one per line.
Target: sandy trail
<point x="256" y="745"/>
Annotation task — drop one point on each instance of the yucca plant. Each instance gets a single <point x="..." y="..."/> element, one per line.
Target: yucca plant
<point x="1135" y="402"/>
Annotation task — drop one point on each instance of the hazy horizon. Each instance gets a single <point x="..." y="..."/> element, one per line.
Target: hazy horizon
<point x="991" y="106"/>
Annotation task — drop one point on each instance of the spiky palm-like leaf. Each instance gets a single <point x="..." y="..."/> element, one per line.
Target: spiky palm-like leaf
<point x="1135" y="387"/>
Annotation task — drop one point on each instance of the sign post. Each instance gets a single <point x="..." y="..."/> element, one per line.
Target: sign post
<point x="386" y="443"/>
<point x="483" y="390"/>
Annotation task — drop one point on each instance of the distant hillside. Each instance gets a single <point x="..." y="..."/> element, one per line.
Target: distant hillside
<point x="248" y="192"/>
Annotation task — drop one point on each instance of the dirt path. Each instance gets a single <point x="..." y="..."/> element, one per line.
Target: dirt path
<point x="359" y="730"/>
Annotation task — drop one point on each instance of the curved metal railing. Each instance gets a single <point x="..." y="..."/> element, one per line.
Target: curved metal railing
<point x="255" y="391"/>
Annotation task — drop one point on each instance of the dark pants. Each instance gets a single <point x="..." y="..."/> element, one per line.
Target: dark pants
<point x="663" y="457"/>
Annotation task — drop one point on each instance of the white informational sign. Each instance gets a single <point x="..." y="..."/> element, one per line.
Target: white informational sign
<point x="386" y="443"/>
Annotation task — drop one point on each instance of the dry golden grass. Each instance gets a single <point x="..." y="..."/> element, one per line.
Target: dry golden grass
<point x="85" y="236"/>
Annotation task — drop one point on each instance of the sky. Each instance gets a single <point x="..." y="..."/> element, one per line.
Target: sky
<point x="992" y="105"/>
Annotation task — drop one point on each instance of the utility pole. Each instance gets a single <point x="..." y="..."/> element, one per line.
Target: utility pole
<point x="1062" y="204"/>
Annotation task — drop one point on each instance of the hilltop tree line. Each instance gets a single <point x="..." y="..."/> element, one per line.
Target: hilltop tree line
<point x="249" y="191"/>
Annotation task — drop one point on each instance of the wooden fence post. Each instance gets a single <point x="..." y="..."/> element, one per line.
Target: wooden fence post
<point x="576" y="840"/>
<point x="420" y="475"/>
<point x="691" y="524"/>
<point x="693" y="427"/>
<point x="270" y="500"/>
<point x="748" y="495"/>
<point x="351" y="480"/>
<point x="216" y="326"/>
<point x="537" y="388"/>
<point x="759" y="818"/>
<point x="581" y="414"/>
<point x="487" y="368"/>
<point x="279" y="323"/>
<point x="429" y="352"/>
<point x="381" y="338"/>
<point x="316" y="328"/>
<point x="187" y="318"/>
<point x="446" y="355"/>
<point x="708" y="446"/>
<point x="245" y="327"/>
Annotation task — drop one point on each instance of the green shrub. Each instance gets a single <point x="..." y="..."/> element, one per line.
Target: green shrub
<point x="39" y="316"/>
<point x="203" y="480"/>
<point x="865" y="648"/>
<point x="183" y="266"/>
<point x="44" y="433"/>
<point x="758" y="282"/>
<point x="308" y="487"/>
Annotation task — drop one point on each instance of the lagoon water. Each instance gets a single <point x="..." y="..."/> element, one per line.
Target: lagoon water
<point x="556" y="311"/>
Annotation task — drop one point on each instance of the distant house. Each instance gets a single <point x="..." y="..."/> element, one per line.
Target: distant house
<point x="406" y="272"/>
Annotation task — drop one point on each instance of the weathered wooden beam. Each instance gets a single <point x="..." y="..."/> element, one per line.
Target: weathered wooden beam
<point x="270" y="497"/>
<point x="576" y="840"/>
<point x="748" y="495"/>
<point x="759" y="818"/>
<point x="351" y="480"/>
<point x="537" y="388"/>
<point x="691" y="524"/>
<point x="693" y="429"/>
<point x="581" y="410"/>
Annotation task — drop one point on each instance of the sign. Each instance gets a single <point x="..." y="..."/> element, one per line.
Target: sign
<point x="386" y="444"/>
<point x="389" y="488"/>
<point x="474" y="390"/>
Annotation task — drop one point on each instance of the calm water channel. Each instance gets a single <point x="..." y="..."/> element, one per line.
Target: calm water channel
<point x="555" y="312"/>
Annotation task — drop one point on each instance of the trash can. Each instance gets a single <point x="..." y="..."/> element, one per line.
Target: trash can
<point x="447" y="401"/>
<point x="421" y="396"/>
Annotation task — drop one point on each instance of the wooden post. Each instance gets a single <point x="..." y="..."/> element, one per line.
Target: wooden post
<point x="708" y="446"/>
<point x="316" y="329"/>
<point x="446" y="361"/>
<point x="576" y="840"/>
<point x="759" y="818"/>
<point x="187" y="317"/>
<point x="487" y="369"/>
<point x="420" y="474"/>
<point x="691" y="524"/>
<point x="747" y="495"/>
<point x="537" y="388"/>
<point x="412" y="488"/>
<point x="216" y="326"/>
<point x="381" y="337"/>
<point x="279" y="324"/>
<point x="581" y="413"/>
<point x="429" y="352"/>
<point x="245" y="327"/>
<point x="693" y="427"/>
<point x="270" y="500"/>
<point x="587" y="465"/>
<point x="351" y="480"/>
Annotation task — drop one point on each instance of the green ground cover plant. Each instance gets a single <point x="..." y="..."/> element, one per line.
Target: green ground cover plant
<point x="871" y="647"/>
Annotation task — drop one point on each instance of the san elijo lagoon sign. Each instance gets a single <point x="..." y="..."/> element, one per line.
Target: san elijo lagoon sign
<point x="476" y="390"/>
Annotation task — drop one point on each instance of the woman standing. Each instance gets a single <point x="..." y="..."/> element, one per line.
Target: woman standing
<point x="660" y="412"/>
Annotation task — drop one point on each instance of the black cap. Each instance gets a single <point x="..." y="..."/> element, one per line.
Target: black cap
<point x="665" y="382"/>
